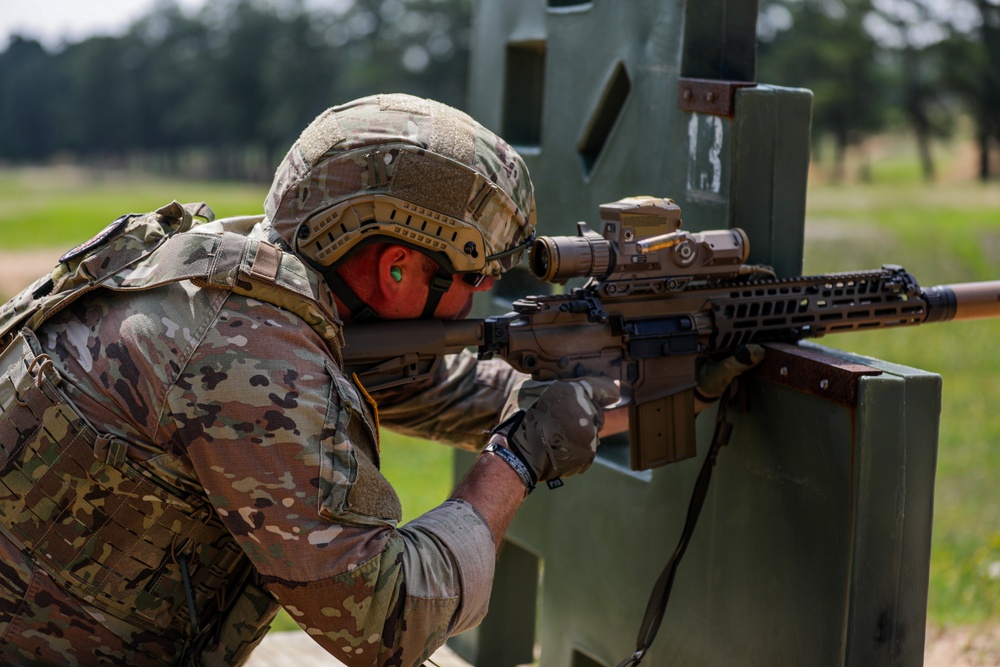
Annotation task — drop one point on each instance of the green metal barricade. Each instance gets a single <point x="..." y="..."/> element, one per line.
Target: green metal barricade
<point x="814" y="543"/>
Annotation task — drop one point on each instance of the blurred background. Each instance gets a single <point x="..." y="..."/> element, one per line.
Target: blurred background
<point x="133" y="104"/>
<point x="219" y="88"/>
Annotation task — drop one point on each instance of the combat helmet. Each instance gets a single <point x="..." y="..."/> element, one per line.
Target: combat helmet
<point x="401" y="169"/>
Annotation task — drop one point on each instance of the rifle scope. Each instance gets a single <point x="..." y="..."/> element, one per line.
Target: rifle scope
<point x="556" y="259"/>
<point x="710" y="254"/>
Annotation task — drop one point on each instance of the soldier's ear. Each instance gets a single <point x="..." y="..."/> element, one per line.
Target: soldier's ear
<point x="399" y="272"/>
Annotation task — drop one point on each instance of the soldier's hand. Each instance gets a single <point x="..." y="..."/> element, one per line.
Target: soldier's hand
<point x="715" y="376"/>
<point x="552" y="426"/>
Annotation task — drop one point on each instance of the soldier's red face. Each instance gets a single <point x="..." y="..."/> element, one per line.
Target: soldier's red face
<point x="457" y="301"/>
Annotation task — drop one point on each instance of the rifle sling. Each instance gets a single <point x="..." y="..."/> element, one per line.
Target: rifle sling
<point x="660" y="595"/>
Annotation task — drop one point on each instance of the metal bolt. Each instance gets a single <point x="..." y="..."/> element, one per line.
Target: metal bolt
<point x="784" y="371"/>
<point x="824" y="384"/>
<point x="688" y="94"/>
<point x="710" y="96"/>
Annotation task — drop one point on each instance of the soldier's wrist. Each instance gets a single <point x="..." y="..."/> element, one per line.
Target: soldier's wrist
<point x="499" y="448"/>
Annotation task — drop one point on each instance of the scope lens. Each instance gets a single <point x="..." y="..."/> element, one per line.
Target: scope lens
<point x="557" y="259"/>
<point x="538" y="259"/>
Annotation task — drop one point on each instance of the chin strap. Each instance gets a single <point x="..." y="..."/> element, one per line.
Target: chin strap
<point x="361" y="312"/>
<point x="440" y="283"/>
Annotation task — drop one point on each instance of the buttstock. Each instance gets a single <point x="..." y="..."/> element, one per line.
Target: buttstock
<point x="389" y="354"/>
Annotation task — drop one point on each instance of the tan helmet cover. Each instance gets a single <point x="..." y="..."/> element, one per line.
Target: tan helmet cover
<point x="403" y="169"/>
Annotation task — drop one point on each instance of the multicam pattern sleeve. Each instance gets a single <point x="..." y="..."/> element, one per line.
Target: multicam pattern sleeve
<point x="459" y="406"/>
<point x="243" y="399"/>
<point x="287" y="451"/>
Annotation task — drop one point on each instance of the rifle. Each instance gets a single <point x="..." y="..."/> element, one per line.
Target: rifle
<point x="656" y="299"/>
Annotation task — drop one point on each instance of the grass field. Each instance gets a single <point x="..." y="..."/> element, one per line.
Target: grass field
<point x="943" y="233"/>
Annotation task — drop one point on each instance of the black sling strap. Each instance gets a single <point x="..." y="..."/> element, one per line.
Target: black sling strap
<point x="658" y="598"/>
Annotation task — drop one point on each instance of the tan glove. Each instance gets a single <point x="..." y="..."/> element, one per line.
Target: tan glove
<point x="715" y="376"/>
<point x="552" y="426"/>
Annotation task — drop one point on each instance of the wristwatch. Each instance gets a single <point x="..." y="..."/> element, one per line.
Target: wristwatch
<point x="495" y="446"/>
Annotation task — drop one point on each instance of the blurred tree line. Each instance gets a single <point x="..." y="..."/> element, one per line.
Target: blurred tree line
<point x="224" y="91"/>
<point x="878" y="64"/>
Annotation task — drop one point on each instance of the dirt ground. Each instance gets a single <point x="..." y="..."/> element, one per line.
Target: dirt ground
<point x="945" y="647"/>
<point x="953" y="647"/>
<point x="19" y="269"/>
<point x="962" y="647"/>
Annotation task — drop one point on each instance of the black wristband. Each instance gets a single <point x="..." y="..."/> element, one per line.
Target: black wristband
<point x="515" y="462"/>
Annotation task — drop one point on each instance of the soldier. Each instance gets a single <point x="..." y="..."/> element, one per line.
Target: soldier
<point x="183" y="453"/>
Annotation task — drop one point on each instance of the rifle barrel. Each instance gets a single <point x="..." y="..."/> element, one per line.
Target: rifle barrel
<point x="975" y="300"/>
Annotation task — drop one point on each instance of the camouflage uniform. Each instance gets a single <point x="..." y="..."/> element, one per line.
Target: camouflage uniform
<point x="238" y="406"/>
<point x="241" y="402"/>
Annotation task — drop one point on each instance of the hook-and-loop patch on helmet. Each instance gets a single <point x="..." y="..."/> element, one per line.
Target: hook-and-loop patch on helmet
<point x="396" y="168"/>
